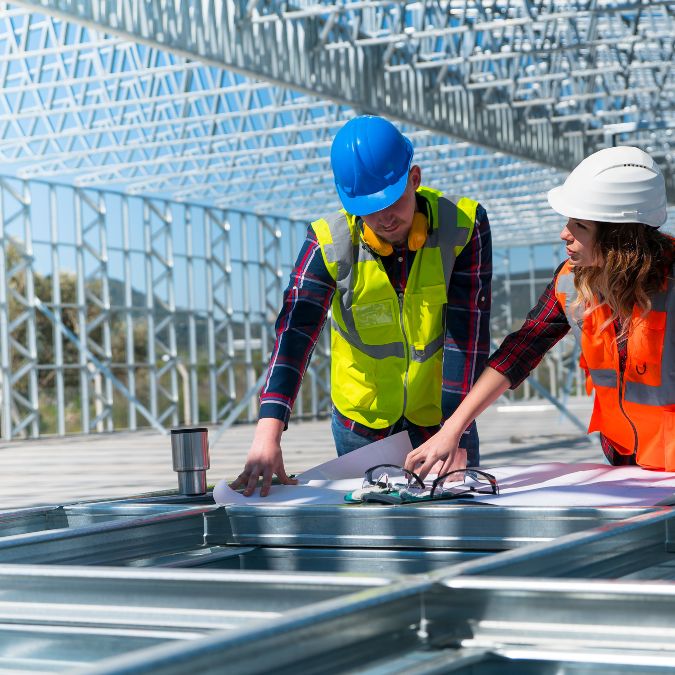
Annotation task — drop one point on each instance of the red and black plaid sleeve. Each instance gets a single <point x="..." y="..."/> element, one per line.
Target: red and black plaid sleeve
<point x="306" y="301"/>
<point x="467" y="322"/>
<point x="521" y="352"/>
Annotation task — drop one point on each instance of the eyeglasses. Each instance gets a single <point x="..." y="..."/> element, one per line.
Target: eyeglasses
<point x="390" y="478"/>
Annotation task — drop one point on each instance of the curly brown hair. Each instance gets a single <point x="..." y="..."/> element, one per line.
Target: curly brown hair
<point x="635" y="261"/>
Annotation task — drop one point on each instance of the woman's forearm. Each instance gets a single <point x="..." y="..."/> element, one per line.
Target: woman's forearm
<point x="486" y="390"/>
<point x="443" y="452"/>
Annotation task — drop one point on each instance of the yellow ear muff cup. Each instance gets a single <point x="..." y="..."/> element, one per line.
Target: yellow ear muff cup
<point x="418" y="232"/>
<point x="375" y="242"/>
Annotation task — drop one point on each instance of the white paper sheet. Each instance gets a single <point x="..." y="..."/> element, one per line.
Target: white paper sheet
<point x="315" y="492"/>
<point x="391" y="450"/>
<point x="322" y="484"/>
<point x="594" y="485"/>
<point x="554" y="484"/>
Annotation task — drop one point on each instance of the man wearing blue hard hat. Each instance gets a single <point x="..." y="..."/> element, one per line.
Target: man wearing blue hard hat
<point x="405" y="272"/>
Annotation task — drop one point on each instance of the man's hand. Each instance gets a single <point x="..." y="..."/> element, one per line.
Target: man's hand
<point x="264" y="460"/>
<point x="438" y="455"/>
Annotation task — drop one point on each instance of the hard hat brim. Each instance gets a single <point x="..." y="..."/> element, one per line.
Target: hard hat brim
<point x="561" y="201"/>
<point x="558" y="202"/>
<point x="364" y="205"/>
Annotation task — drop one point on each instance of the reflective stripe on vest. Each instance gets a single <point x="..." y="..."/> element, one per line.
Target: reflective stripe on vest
<point x="604" y="377"/>
<point x="635" y="408"/>
<point x="663" y="394"/>
<point x="565" y="284"/>
<point x="385" y="348"/>
<point x="635" y="391"/>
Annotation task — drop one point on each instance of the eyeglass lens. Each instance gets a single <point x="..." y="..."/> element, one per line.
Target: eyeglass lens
<point x="465" y="480"/>
<point x="389" y="475"/>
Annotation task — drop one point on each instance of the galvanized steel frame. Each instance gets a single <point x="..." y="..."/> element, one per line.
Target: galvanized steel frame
<point x="91" y="247"/>
<point x="243" y="261"/>
<point x="160" y="295"/>
<point x="530" y="80"/>
<point x="206" y="366"/>
<point x="600" y="596"/>
<point x="472" y="70"/>
<point x="19" y="382"/>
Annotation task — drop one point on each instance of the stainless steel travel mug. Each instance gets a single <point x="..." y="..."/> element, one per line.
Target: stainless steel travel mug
<point x="190" y="453"/>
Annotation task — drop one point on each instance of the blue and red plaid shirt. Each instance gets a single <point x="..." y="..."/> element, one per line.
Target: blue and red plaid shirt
<point x="521" y="351"/>
<point x="307" y="300"/>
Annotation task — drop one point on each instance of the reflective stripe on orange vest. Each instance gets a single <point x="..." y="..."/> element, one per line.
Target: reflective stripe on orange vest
<point x="635" y="409"/>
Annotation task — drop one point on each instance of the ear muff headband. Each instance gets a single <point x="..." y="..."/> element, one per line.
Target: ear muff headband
<point x="416" y="237"/>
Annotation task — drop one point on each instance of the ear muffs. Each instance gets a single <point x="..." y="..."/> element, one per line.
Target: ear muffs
<point x="416" y="237"/>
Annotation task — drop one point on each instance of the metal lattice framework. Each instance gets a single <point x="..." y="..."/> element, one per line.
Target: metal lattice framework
<point x="168" y="304"/>
<point x="525" y="89"/>
<point x="161" y="313"/>
<point x="164" y="156"/>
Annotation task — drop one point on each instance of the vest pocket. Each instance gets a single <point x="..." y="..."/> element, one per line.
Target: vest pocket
<point x="645" y="349"/>
<point x="428" y="308"/>
<point x="598" y="347"/>
<point x="432" y="295"/>
<point x="356" y="389"/>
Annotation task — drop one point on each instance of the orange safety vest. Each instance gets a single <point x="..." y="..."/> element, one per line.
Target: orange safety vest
<point x="634" y="409"/>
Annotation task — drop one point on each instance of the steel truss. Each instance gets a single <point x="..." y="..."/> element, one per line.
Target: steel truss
<point x="220" y="161"/>
<point x="123" y="330"/>
<point x="543" y="82"/>
<point x="17" y="315"/>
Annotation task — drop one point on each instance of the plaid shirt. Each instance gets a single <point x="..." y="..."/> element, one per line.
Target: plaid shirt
<point x="520" y="352"/>
<point x="307" y="300"/>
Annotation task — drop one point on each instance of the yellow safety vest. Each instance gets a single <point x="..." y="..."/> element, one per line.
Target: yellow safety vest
<point x="387" y="349"/>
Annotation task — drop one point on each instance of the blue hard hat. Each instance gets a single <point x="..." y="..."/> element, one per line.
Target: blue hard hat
<point x="371" y="159"/>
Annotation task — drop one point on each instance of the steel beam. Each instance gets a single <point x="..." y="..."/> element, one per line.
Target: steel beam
<point x="506" y="76"/>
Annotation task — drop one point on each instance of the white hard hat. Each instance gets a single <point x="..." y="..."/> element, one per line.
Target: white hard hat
<point x="615" y="185"/>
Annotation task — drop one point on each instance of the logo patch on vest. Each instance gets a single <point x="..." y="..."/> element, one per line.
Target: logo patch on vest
<point x="374" y="314"/>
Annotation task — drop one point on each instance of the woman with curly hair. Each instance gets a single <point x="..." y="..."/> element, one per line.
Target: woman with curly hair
<point x="616" y="291"/>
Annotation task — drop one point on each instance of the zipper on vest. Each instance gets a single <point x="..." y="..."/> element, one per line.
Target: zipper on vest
<point x="406" y="346"/>
<point x="635" y="434"/>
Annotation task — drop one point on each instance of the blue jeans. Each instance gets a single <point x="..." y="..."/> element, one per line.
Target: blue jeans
<point x="347" y="440"/>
